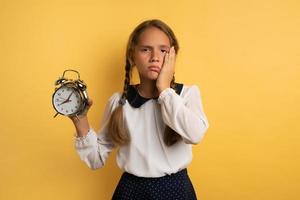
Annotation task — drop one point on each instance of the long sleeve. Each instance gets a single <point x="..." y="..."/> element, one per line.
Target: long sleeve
<point x="94" y="148"/>
<point x="184" y="114"/>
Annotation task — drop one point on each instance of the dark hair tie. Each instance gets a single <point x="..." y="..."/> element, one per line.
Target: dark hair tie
<point x="122" y="101"/>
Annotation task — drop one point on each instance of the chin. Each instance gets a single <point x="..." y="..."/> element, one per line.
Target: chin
<point x="153" y="77"/>
<point x="150" y="76"/>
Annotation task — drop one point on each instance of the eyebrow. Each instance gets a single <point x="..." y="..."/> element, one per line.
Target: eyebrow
<point x="148" y="46"/>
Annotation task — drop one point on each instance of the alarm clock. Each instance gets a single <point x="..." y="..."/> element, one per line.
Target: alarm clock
<point x="70" y="96"/>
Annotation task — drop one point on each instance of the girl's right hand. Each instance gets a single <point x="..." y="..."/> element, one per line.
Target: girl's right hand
<point x="167" y="71"/>
<point x="81" y="122"/>
<point x="83" y="114"/>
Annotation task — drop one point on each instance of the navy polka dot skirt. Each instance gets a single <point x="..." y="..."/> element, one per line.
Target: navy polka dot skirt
<point x="176" y="186"/>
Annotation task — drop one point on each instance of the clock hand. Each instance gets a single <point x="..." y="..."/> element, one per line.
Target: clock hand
<point x="70" y="95"/>
<point x="66" y="101"/>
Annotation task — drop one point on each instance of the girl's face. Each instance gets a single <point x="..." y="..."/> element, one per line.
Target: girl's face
<point x="150" y="51"/>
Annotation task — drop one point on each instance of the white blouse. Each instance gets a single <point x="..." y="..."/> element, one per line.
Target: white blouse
<point x="147" y="155"/>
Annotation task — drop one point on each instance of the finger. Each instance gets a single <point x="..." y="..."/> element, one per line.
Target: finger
<point x="172" y="58"/>
<point x="165" y="60"/>
<point x="85" y="110"/>
<point x="172" y="51"/>
<point x="89" y="102"/>
<point x="88" y="105"/>
<point x="167" y="63"/>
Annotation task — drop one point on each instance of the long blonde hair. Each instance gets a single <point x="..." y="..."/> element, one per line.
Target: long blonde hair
<point x="117" y="129"/>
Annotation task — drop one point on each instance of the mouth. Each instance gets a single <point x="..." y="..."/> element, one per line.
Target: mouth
<point x="154" y="68"/>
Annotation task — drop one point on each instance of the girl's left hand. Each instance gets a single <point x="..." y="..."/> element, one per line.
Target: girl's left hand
<point x="167" y="71"/>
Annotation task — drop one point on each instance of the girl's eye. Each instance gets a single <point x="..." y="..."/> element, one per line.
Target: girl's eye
<point x="164" y="51"/>
<point x="144" y="49"/>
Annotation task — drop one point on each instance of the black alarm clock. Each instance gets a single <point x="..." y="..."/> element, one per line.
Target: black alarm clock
<point x="70" y="96"/>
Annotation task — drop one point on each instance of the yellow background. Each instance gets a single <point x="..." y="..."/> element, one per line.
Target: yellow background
<point x="244" y="55"/>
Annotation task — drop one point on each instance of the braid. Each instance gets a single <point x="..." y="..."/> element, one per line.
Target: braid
<point x="117" y="129"/>
<point x="126" y="82"/>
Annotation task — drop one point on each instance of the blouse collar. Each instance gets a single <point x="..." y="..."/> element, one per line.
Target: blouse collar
<point x="136" y="100"/>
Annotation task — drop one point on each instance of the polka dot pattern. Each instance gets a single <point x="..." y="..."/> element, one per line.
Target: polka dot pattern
<point x="176" y="186"/>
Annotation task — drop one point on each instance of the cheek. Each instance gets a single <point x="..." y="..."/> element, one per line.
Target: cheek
<point x="140" y="58"/>
<point x="140" y="70"/>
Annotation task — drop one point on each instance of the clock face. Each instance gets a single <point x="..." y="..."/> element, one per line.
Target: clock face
<point x="67" y="100"/>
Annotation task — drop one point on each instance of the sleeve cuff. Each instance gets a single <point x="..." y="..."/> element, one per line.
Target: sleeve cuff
<point x="89" y="139"/>
<point x="164" y="94"/>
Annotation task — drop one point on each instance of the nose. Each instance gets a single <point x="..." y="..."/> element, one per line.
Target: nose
<point x="155" y="56"/>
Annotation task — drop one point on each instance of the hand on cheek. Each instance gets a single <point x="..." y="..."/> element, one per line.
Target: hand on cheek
<point x="167" y="71"/>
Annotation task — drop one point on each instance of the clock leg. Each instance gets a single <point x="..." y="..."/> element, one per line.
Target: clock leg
<point x="55" y="115"/>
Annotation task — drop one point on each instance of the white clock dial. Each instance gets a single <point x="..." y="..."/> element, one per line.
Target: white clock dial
<point x="67" y="100"/>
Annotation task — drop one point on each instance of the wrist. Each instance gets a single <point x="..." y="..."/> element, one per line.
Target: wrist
<point x="160" y="89"/>
<point x="79" y="118"/>
<point x="82" y="126"/>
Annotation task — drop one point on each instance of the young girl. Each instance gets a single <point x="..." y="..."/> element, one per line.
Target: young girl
<point x="153" y="123"/>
